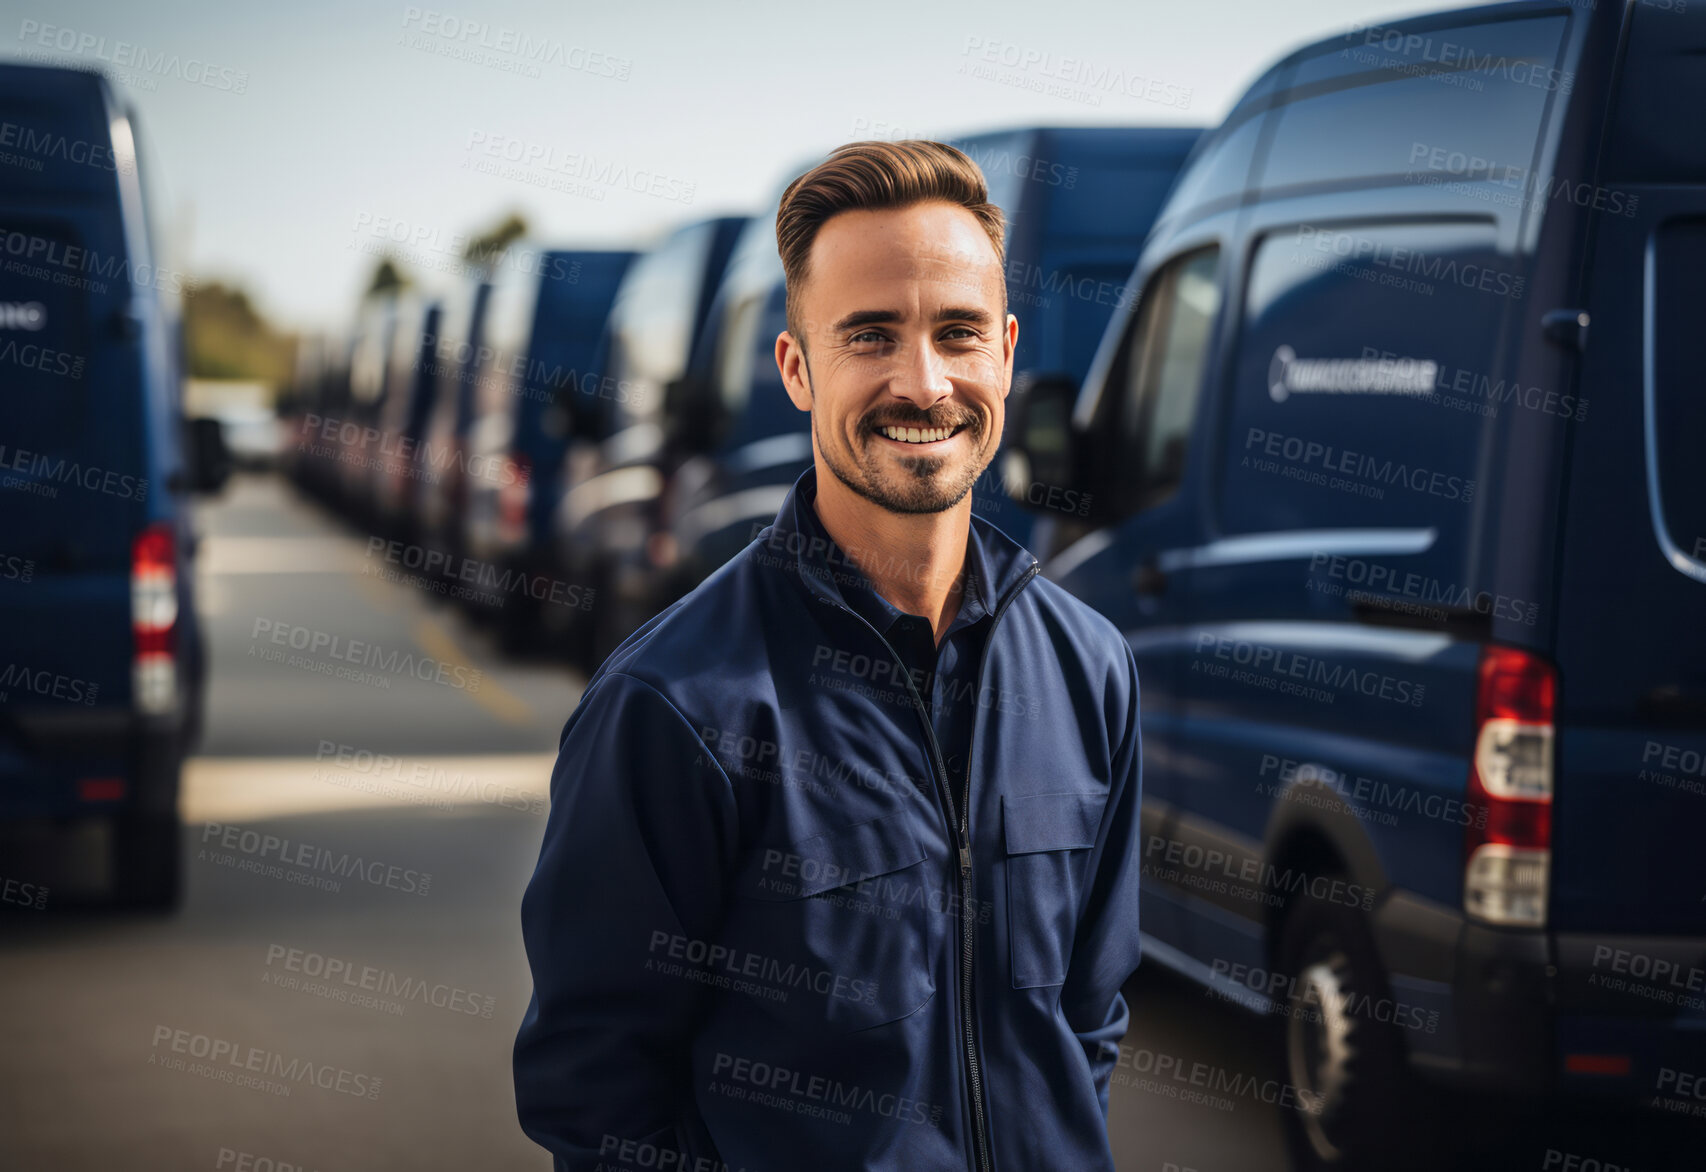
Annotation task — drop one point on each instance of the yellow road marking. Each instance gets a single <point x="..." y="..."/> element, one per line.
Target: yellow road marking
<point x="490" y="695"/>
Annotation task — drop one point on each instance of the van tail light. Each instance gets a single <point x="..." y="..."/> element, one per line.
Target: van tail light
<point x="1508" y="842"/>
<point x="512" y="501"/>
<point x="154" y="618"/>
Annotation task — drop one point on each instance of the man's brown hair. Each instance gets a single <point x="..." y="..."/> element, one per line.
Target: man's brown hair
<point x="876" y="175"/>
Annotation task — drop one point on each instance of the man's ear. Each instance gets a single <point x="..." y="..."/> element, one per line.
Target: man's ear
<point x="1010" y="344"/>
<point x="795" y="370"/>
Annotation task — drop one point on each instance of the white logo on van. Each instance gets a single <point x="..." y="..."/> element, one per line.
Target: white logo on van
<point x="22" y="315"/>
<point x="1290" y="375"/>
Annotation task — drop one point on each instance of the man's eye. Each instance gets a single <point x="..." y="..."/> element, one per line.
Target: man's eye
<point x="961" y="334"/>
<point x="868" y="336"/>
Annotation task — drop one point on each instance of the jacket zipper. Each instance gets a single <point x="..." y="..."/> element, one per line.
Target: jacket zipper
<point x="960" y="827"/>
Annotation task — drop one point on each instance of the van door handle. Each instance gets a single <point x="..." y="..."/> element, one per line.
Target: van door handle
<point x="1149" y="577"/>
<point x="1566" y="328"/>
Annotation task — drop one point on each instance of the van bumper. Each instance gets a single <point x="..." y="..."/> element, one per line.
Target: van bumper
<point x="1537" y="1014"/>
<point x="46" y="759"/>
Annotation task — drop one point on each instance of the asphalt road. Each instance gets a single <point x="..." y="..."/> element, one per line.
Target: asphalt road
<point x="444" y="781"/>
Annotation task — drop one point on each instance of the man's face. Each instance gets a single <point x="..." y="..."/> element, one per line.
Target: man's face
<point x="905" y="323"/>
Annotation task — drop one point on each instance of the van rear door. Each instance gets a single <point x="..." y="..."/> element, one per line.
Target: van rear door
<point x="1630" y="807"/>
<point x="73" y="482"/>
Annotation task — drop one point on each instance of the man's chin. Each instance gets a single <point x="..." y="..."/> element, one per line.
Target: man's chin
<point x="935" y="492"/>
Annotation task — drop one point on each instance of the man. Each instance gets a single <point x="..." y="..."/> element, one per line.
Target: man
<point x="841" y="867"/>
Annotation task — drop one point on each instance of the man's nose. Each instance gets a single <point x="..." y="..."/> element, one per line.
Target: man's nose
<point x="923" y="376"/>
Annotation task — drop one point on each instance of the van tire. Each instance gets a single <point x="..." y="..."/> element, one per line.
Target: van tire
<point x="1353" y="1062"/>
<point x="147" y="861"/>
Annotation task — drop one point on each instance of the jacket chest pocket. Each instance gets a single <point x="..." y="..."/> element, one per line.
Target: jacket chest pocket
<point x="835" y="929"/>
<point x="1048" y="839"/>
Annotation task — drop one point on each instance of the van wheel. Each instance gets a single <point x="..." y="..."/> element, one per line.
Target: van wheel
<point x="147" y="861"/>
<point x="1356" y="1105"/>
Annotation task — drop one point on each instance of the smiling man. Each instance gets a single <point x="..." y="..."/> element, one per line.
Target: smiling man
<point x="841" y="870"/>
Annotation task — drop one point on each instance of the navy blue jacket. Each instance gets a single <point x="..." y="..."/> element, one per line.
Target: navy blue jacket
<point x="757" y="940"/>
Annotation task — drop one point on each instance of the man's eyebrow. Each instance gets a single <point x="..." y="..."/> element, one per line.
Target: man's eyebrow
<point x="872" y="317"/>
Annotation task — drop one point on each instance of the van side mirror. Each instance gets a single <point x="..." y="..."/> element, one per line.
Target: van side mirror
<point x="690" y="408"/>
<point x="209" y="457"/>
<point x="1042" y="429"/>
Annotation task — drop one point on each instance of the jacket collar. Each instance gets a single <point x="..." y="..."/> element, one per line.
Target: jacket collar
<point x="998" y="565"/>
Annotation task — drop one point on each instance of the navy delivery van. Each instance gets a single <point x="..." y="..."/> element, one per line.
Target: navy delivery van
<point x="1078" y="203"/>
<point x="554" y="327"/>
<point x="1396" y="494"/>
<point x="610" y="472"/>
<point x="101" y="660"/>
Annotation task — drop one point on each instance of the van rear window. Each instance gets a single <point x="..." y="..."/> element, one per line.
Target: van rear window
<point x="1676" y="403"/>
<point x="44" y="341"/>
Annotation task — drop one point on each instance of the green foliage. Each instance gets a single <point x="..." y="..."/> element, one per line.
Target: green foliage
<point x="488" y="248"/>
<point x="226" y="337"/>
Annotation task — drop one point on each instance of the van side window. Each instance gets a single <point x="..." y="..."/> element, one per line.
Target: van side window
<point x="1366" y="376"/>
<point x="1167" y="349"/>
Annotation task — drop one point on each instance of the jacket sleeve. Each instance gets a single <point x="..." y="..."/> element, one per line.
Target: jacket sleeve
<point x="632" y="871"/>
<point x="1105" y="949"/>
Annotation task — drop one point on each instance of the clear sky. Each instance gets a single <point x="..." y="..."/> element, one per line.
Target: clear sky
<point x="289" y="141"/>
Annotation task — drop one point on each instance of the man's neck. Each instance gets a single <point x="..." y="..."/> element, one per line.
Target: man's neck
<point x="915" y="560"/>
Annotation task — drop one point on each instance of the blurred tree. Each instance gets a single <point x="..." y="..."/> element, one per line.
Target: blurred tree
<point x="386" y="278"/>
<point x="487" y="249"/>
<point x="226" y="337"/>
